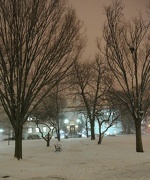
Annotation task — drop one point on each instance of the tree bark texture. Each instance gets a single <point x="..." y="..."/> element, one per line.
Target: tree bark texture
<point x="100" y="139"/>
<point x="92" y="131"/>
<point x="139" y="144"/>
<point x="18" y="143"/>
<point x="39" y="41"/>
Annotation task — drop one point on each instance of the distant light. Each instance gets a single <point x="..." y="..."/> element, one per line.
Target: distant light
<point x="66" y="121"/>
<point x="44" y="128"/>
<point x="1" y="130"/>
<point x="78" y="120"/>
<point x="149" y="125"/>
<point x="37" y="129"/>
<point x="30" y="130"/>
<point x="61" y="131"/>
<point x="29" y="118"/>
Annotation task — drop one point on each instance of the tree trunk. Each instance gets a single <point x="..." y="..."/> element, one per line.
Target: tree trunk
<point x="48" y="143"/>
<point x="139" y="145"/>
<point x="58" y="134"/>
<point x="48" y="139"/>
<point x="100" y="134"/>
<point x="128" y="129"/>
<point x="87" y="134"/>
<point x="9" y="137"/>
<point x="92" y="131"/>
<point x="18" y="143"/>
<point x="86" y="127"/>
<point x="100" y="138"/>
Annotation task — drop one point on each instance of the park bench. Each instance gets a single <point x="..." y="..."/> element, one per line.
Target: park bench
<point x="58" y="147"/>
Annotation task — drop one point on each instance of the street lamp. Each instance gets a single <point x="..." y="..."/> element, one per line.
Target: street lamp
<point x="66" y="121"/>
<point x="78" y="121"/>
<point x="1" y="130"/>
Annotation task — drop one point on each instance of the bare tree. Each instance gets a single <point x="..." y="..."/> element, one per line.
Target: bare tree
<point x="49" y="135"/>
<point x="88" y="83"/>
<point x="127" y="121"/>
<point x="51" y="110"/>
<point x="59" y="104"/>
<point x="106" y="117"/>
<point x="128" y="56"/>
<point x="86" y="122"/>
<point x="39" y="40"/>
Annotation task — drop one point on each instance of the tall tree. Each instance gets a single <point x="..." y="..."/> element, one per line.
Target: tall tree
<point x="127" y="121"/>
<point x="51" y="110"/>
<point x="128" y="56"/>
<point x="89" y="83"/>
<point x="39" y="40"/>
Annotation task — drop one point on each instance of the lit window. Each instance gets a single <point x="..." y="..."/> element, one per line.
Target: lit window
<point x="29" y="130"/>
<point x="44" y="129"/>
<point x="66" y="121"/>
<point x="36" y="129"/>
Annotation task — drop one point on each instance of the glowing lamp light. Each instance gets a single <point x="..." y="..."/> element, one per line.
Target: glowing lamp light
<point x="66" y="121"/>
<point x="1" y="130"/>
<point x="78" y="120"/>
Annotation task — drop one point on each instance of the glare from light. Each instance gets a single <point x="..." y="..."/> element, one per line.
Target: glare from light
<point x="37" y="129"/>
<point x="1" y="130"/>
<point x="78" y="121"/>
<point x="66" y="121"/>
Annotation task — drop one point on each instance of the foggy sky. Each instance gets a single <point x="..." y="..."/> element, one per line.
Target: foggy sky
<point x="91" y="12"/>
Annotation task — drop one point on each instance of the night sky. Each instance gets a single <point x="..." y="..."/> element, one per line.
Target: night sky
<point x="92" y="13"/>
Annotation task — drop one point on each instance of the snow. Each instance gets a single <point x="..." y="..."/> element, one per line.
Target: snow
<point x="80" y="159"/>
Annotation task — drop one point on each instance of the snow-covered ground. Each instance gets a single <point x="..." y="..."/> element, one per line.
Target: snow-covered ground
<point x="80" y="159"/>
